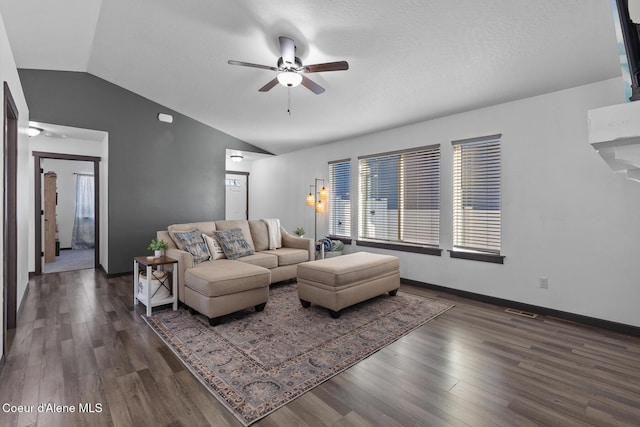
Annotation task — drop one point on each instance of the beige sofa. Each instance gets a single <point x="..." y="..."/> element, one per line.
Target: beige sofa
<point x="222" y="286"/>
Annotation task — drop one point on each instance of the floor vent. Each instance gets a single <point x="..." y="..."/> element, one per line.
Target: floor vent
<point x="521" y="313"/>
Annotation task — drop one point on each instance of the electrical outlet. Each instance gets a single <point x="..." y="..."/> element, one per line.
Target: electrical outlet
<point x="544" y="283"/>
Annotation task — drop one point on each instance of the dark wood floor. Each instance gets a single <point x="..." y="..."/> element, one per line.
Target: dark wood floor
<point x="79" y="341"/>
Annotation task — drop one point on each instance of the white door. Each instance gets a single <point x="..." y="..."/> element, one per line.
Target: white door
<point x="236" y="196"/>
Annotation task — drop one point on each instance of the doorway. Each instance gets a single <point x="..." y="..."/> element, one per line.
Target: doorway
<point x="44" y="245"/>
<point x="236" y="195"/>
<point x="10" y="241"/>
<point x="69" y="213"/>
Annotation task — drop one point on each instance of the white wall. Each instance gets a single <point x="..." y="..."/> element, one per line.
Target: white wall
<point x="566" y="216"/>
<point x="9" y="74"/>
<point x="66" y="188"/>
<point x="79" y="147"/>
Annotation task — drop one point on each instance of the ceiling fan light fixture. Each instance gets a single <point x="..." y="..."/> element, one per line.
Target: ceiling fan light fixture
<point x="289" y="78"/>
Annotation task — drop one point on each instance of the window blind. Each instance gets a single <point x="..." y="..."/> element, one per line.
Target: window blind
<point x="476" y="194"/>
<point x="340" y="198"/>
<point x="400" y="197"/>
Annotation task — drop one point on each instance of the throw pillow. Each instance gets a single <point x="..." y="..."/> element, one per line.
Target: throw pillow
<point x="192" y="242"/>
<point x="233" y="243"/>
<point x="214" y="247"/>
<point x="275" y="238"/>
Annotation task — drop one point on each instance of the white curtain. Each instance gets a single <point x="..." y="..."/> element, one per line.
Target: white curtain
<point x="84" y="224"/>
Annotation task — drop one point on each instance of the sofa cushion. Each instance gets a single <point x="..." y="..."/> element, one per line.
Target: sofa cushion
<point x="224" y="277"/>
<point x="242" y="224"/>
<point x="192" y="242"/>
<point x="215" y="249"/>
<point x="262" y="259"/>
<point x="259" y="235"/>
<point x="234" y="243"/>
<point x="289" y="256"/>
<point x="207" y="227"/>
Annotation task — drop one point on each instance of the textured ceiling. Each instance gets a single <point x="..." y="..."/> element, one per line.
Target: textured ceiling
<point x="409" y="60"/>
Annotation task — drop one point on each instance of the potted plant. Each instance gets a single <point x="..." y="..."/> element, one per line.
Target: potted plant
<point x="299" y="232"/>
<point x="158" y="246"/>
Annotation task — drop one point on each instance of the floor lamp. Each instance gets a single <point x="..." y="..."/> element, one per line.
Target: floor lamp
<point x="318" y="197"/>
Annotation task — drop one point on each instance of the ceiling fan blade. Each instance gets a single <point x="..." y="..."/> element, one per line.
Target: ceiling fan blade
<point x="248" y="64"/>
<point x="311" y="85"/>
<point x="269" y="86"/>
<point x="288" y="51"/>
<point x="327" y="66"/>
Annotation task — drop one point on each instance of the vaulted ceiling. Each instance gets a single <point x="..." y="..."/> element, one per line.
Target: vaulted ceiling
<point x="410" y="60"/>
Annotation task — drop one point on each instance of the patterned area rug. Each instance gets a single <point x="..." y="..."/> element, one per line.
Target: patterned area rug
<point x="255" y="363"/>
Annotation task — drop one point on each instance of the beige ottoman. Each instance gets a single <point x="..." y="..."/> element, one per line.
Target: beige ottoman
<point x="343" y="281"/>
<point x="224" y="286"/>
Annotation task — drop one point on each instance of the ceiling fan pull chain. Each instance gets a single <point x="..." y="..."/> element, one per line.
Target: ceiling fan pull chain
<point x="289" y="100"/>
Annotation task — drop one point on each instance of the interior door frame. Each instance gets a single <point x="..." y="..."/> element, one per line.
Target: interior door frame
<point x="10" y="231"/>
<point x="247" y="185"/>
<point x="37" y="170"/>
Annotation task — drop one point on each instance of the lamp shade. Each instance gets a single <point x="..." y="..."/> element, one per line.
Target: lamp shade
<point x="289" y="78"/>
<point x="319" y="206"/>
<point x="310" y="199"/>
<point x="324" y="193"/>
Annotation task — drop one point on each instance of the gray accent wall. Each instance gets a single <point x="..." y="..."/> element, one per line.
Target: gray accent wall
<point x="159" y="173"/>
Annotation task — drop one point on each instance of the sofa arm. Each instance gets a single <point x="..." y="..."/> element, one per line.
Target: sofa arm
<point x="164" y="235"/>
<point x="291" y="241"/>
<point x="185" y="261"/>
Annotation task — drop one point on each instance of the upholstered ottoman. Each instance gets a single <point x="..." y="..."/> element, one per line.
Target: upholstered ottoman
<point x="216" y="289"/>
<point x="343" y="281"/>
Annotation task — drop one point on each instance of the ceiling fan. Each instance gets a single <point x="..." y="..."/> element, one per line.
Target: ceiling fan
<point x="290" y="69"/>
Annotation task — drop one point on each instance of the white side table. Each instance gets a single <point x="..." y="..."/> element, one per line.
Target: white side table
<point x="151" y="265"/>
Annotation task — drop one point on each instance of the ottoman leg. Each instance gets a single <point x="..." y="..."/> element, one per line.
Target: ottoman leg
<point x="393" y="292"/>
<point x="214" y="321"/>
<point x="260" y="307"/>
<point x="192" y="311"/>
<point x="305" y="304"/>
<point x="334" y="314"/>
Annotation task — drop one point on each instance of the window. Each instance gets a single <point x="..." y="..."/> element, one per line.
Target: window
<point x="400" y="199"/>
<point x="476" y="195"/>
<point x="340" y="198"/>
